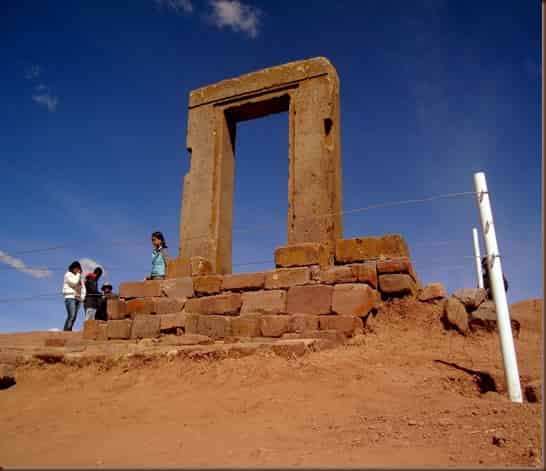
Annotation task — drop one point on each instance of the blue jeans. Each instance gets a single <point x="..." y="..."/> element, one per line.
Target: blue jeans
<point x="72" y="305"/>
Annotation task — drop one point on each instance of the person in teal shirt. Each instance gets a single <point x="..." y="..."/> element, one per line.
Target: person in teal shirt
<point x="159" y="257"/>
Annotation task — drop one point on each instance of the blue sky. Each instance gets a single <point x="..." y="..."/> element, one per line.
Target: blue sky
<point x="94" y="105"/>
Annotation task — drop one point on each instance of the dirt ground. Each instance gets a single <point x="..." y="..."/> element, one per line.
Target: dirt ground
<point x="410" y="394"/>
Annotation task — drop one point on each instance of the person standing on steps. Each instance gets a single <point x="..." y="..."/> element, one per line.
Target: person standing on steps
<point x="93" y="295"/>
<point x="159" y="257"/>
<point x="73" y="292"/>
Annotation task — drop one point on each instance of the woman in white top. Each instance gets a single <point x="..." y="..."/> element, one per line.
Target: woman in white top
<point x="73" y="292"/>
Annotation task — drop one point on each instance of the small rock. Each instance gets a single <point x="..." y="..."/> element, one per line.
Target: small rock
<point x="498" y="441"/>
<point x="7" y="376"/>
<point x="533" y="391"/>
<point x="412" y="422"/>
<point x="471" y="297"/>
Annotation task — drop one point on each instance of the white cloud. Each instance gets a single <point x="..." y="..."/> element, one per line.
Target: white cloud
<point x="236" y="15"/>
<point x="88" y="265"/>
<point x="33" y="72"/>
<point x="176" y="5"/>
<point x="47" y="100"/>
<point x="19" y="265"/>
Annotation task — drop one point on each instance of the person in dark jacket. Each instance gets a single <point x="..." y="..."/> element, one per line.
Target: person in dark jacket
<point x="102" y="311"/>
<point x="486" y="280"/>
<point x="92" y="298"/>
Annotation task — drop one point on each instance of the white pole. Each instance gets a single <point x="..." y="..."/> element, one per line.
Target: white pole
<point x="478" y="257"/>
<point x="496" y="282"/>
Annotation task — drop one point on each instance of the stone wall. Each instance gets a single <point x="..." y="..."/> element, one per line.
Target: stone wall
<point x="309" y="294"/>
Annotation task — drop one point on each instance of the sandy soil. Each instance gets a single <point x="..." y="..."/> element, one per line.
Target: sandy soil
<point x="411" y="394"/>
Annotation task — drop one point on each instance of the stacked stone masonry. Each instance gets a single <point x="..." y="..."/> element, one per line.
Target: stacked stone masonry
<point x="299" y="299"/>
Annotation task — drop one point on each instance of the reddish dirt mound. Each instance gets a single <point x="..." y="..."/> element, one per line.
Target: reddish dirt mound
<point x="410" y="394"/>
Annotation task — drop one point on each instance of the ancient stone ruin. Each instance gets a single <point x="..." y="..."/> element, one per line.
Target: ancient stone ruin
<point x="323" y="286"/>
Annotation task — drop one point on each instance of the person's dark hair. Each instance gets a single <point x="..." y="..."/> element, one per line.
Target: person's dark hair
<point x="98" y="271"/>
<point x="159" y="235"/>
<point x="74" y="265"/>
<point x="106" y="285"/>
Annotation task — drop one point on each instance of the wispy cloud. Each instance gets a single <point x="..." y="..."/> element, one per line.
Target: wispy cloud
<point x="19" y="265"/>
<point x="47" y="100"/>
<point x="88" y="265"/>
<point x="237" y="16"/>
<point x="42" y="95"/>
<point x="33" y="72"/>
<point x="176" y="5"/>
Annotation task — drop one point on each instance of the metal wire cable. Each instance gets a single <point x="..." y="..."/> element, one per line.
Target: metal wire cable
<point x="267" y="227"/>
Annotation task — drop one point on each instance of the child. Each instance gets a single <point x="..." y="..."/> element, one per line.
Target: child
<point x="73" y="292"/>
<point x="102" y="311"/>
<point x="159" y="257"/>
<point x="93" y="294"/>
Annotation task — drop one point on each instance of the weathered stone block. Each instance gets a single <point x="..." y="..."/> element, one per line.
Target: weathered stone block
<point x="119" y="329"/>
<point x="397" y="285"/>
<point x="302" y="322"/>
<point x="192" y="323"/>
<point x="140" y="289"/>
<point x="471" y="297"/>
<point x="216" y="327"/>
<point x="353" y="299"/>
<point x="140" y="307"/>
<point x="209" y="284"/>
<point x="246" y="326"/>
<point x="432" y="292"/>
<point x="369" y="248"/>
<point x="274" y="326"/>
<point x="287" y="277"/>
<point x="243" y="281"/>
<point x="171" y="322"/>
<point x="227" y="303"/>
<point x="178" y="288"/>
<point x="264" y="302"/>
<point x="94" y="330"/>
<point x="304" y="254"/>
<point x="396" y="265"/>
<point x="193" y="266"/>
<point x="168" y="305"/>
<point x="455" y="315"/>
<point x="344" y="324"/>
<point x="340" y="274"/>
<point x="116" y="308"/>
<point x="366" y="273"/>
<point x="312" y="299"/>
<point x="145" y="327"/>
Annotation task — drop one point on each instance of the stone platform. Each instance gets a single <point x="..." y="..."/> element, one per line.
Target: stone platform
<point x="309" y="295"/>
